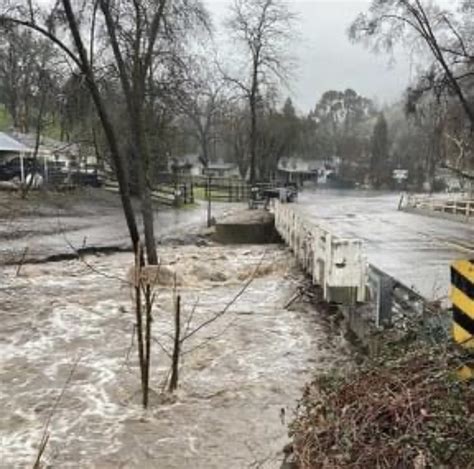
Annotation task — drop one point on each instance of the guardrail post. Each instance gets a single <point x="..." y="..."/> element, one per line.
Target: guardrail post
<point x="382" y="292"/>
<point x="384" y="302"/>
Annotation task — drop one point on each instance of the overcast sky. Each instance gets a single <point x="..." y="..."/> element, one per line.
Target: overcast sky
<point x="328" y="60"/>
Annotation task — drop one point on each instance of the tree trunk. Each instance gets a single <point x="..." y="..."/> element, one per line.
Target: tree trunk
<point x="205" y="150"/>
<point x="177" y="345"/>
<point x="253" y="121"/>
<point x="39" y="127"/>
<point x="253" y="138"/>
<point x="134" y="96"/>
<point x="117" y="156"/>
<point x="139" y="324"/>
<point x="146" y="378"/>
<point x="141" y="158"/>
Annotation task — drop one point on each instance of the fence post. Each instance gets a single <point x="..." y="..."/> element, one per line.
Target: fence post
<point x="185" y="193"/>
<point x="208" y="187"/>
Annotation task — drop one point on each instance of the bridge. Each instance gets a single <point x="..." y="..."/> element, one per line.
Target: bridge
<point x="416" y="250"/>
<point x="382" y="265"/>
<point x="360" y="248"/>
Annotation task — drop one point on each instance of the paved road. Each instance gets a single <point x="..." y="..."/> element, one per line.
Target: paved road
<point x="417" y="250"/>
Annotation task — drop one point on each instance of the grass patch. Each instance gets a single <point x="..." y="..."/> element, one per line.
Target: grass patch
<point x="217" y="195"/>
<point x="5" y="119"/>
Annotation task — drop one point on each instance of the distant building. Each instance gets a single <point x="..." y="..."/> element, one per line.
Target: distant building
<point x="53" y="160"/>
<point x="68" y="155"/>
<point x="10" y="146"/>
<point x="188" y="164"/>
<point x="228" y="170"/>
<point x="298" y="170"/>
<point x="14" y="158"/>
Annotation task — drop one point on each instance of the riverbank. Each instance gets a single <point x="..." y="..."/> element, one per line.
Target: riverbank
<point x="406" y="408"/>
<point x="48" y="226"/>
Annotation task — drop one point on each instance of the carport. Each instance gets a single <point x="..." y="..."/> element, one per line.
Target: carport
<point x="9" y="146"/>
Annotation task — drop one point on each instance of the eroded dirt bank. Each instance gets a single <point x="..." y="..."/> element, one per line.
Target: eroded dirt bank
<point x="48" y="225"/>
<point x="236" y="377"/>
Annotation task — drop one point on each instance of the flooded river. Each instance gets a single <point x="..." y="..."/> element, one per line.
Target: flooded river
<point x="239" y="381"/>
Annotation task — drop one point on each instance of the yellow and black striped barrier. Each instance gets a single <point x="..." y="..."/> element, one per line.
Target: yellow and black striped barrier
<point x="462" y="296"/>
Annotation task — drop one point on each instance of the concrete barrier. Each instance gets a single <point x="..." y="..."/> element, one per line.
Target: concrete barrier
<point x="337" y="264"/>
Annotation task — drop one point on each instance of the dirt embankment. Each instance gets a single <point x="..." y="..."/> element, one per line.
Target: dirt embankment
<point x="80" y="202"/>
<point x="55" y="226"/>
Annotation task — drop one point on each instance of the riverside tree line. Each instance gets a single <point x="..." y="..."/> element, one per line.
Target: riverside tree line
<point x="189" y="99"/>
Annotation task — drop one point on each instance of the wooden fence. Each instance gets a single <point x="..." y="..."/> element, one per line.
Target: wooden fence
<point x="220" y="189"/>
<point x="178" y="189"/>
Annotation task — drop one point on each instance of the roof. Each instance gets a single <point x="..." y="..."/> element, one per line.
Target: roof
<point x="223" y="166"/>
<point x="297" y="171"/>
<point x="186" y="159"/>
<point x="47" y="144"/>
<point x="8" y="143"/>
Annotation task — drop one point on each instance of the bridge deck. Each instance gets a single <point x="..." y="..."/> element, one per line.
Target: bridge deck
<point x="417" y="250"/>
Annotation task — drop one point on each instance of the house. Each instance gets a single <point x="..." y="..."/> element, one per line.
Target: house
<point x="15" y="158"/>
<point x="66" y="155"/>
<point x="296" y="171"/>
<point x="221" y="169"/>
<point x="188" y="164"/>
<point x="10" y="146"/>
<point x="53" y="160"/>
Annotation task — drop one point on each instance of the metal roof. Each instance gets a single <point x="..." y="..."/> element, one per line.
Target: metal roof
<point x="8" y="143"/>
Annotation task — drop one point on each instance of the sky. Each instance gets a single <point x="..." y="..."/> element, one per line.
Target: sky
<point x="327" y="59"/>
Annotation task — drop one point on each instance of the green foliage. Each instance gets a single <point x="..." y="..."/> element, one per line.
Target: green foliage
<point x="5" y="119"/>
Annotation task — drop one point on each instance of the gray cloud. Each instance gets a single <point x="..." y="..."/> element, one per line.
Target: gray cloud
<point x="328" y="60"/>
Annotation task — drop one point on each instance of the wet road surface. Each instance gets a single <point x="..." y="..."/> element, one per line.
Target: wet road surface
<point x="415" y="249"/>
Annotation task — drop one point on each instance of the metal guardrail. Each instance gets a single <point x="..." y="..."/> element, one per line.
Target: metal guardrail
<point x="390" y="296"/>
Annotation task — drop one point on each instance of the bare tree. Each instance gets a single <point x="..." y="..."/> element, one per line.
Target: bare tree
<point x="264" y="29"/>
<point x="440" y="31"/>
<point x="235" y="135"/>
<point x="201" y="100"/>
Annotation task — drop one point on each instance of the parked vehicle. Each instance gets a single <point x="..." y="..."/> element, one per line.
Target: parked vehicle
<point x="261" y="194"/>
<point x="11" y="168"/>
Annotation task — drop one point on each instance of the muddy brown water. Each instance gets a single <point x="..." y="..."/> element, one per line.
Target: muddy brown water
<point x="236" y="375"/>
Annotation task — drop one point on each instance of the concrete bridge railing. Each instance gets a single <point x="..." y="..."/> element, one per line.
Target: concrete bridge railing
<point x="337" y="264"/>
